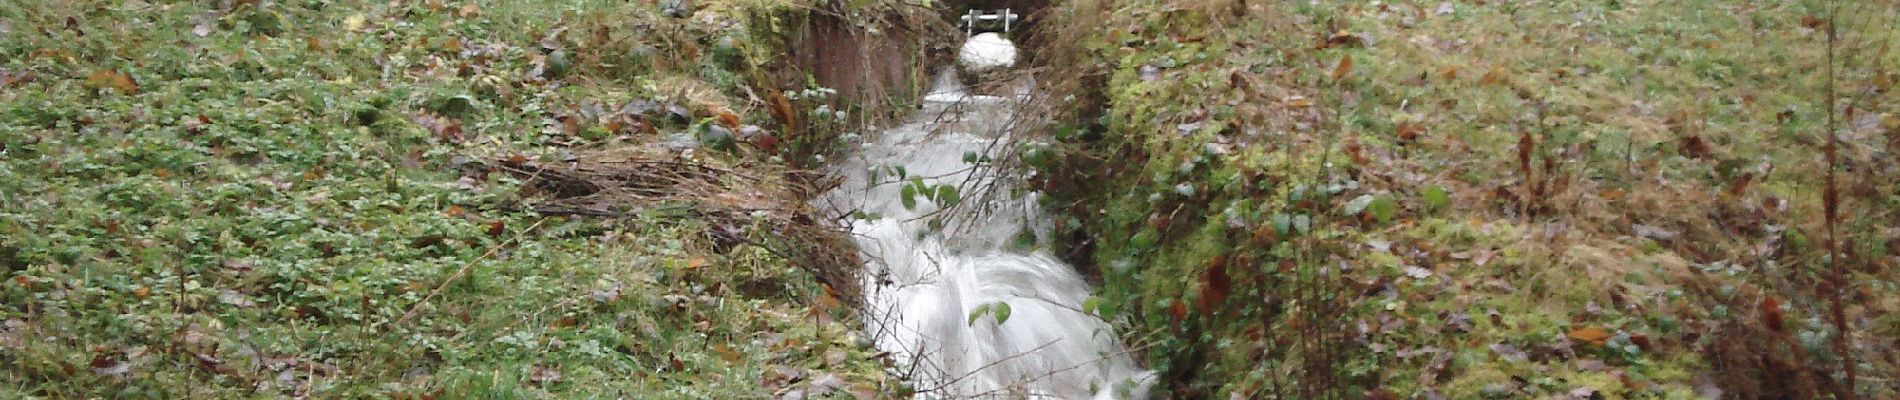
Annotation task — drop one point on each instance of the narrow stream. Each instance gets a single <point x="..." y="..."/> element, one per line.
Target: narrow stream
<point x="967" y="311"/>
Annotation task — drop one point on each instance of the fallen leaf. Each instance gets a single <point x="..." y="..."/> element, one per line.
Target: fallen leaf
<point x="729" y="119"/>
<point x="1408" y="132"/>
<point x="105" y="365"/>
<point x="1178" y="310"/>
<point x="233" y="297"/>
<point x="1593" y="334"/>
<point x="1483" y="257"/>
<point x="1813" y="22"/>
<point x="1492" y="77"/>
<point x="1344" y="39"/>
<point x="1444" y="8"/>
<point x="543" y="375"/>
<point x="1344" y="67"/>
<point x="1652" y="232"/>
<point x="1215" y="285"/>
<point x="104" y="79"/>
<point x="202" y="29"/>
<point x="766" y="142"/>
<point x="726" y="353"/>
<point x="1297" y="101"/>
<point x="1771" y="313"/>
<point x="1694" y="146"/>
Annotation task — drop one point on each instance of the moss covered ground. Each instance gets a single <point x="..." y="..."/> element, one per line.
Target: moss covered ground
<point x="1470" y="199"/>
<point x="234" y="199"/>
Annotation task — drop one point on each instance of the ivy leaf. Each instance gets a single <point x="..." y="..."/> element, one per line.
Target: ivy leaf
<point x="1002" y="312"/>
<point x="908" y="195"/>
<point x="977" y="312"/>
<point x="1436" y="197"/>
<point x="1383" y="207"/>
<point x="946" y="195"/>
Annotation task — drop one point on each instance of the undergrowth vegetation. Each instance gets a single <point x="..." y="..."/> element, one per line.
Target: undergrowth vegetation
<point x="311" y="199"/>
<point x="1469" y="199"/>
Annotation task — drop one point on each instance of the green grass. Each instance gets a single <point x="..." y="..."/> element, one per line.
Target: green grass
<point x="259" y="205"/>
<point x="1233" y="145"/>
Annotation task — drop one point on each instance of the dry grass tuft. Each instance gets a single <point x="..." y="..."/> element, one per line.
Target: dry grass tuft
<point x="743" y="208"/>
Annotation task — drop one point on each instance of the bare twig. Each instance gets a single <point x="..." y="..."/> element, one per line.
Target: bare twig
<point x="1837" y="276"/>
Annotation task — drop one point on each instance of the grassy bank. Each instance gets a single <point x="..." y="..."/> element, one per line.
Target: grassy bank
<point x="1485" y="199"/>
<point x="335" y="199"/>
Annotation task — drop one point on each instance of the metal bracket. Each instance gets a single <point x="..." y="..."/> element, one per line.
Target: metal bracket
<point x="995" y="21"/>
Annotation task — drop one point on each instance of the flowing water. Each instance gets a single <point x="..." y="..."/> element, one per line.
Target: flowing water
<point x="939" y="280"/>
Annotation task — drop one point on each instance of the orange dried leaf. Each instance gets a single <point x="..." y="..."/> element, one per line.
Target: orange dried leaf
<point x="729" y="119"/>
<point x="1492" y="77"/>
<point x="1409" y="131"/>
<point x="1593" y="334"/>
<point x="1771" y="313"/>
<point x="570" y="125"/>
<point x="1344" y="67"/>
<point x="115" y="80"/>
<point x="727" y="353"/>
<point x="781" y="109"/>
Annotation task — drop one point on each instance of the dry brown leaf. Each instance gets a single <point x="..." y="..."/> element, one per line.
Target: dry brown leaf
<point x="1409" y="131"/>
<point x="1593" y="334"/>
<point x="104" y="79"/>
<point x="1771" y="313"/>
<point x="1215" y="285"/>
<point x="1344" y="67"/>
<point x="729" y="119"/>
<point x="1492" y="77"/>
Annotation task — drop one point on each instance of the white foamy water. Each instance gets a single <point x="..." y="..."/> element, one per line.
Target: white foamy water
<point x="987" y="50"/>
<point x="924" y="279"/>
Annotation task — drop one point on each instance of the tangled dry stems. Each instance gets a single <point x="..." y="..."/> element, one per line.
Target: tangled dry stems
<point x="738" y="204"/>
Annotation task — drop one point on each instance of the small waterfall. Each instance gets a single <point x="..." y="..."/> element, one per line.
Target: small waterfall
<point x="938" y="279"/>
